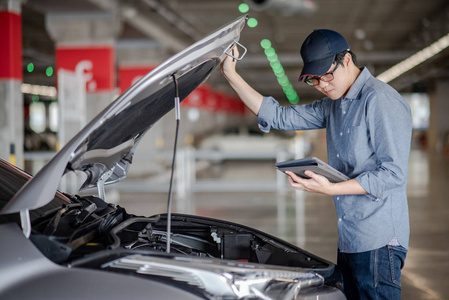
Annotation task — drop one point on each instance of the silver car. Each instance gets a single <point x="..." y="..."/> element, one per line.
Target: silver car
<point x="63" y="246"/>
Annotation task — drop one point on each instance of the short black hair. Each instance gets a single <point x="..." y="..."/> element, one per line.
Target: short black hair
<point x="339" y="57"/>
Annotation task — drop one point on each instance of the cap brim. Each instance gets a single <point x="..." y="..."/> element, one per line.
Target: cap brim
<point x="316" y="68"/>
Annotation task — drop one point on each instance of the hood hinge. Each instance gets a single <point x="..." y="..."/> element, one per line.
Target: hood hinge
<point x="25" y="222"/>
<point x="101" y="183"/>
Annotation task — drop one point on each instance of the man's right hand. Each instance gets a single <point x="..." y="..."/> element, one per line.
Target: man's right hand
<point x="228" y="65"/>
<point x="249" y="96"/>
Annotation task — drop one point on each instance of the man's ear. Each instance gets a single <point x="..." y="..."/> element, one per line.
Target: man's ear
<point x="347" y="59"/>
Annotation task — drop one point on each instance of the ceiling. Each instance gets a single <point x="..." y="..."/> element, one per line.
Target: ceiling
<point x="380" y="32"/>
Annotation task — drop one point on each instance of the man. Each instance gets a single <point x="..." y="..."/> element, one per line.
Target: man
<point x="368" y="131"/>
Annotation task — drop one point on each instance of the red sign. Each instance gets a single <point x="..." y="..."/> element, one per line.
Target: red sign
<point x="197" y="98"/>
<point x="237" y="106"/>
<point x="230" y="104"/>
<point x="213" y="101"/>
<point x="204" y="97"/>
<point x="11" y="45"/>
<point x="95" y="63"/>
<point x="130" y="75"/>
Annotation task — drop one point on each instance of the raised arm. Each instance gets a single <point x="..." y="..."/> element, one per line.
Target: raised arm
<point x="250" y="97"/>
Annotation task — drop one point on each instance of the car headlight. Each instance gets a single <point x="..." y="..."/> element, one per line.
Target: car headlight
<point x="224" y="279"/>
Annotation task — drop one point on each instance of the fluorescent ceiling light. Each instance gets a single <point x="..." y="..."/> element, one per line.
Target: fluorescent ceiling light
<point x="40" y="90"/>
<point x="414" y="60"/>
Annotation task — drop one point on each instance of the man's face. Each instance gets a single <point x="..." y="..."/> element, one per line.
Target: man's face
<point x="339" y="86"/>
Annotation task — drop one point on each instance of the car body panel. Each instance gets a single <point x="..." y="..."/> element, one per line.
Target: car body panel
<point x="27" y="274"/>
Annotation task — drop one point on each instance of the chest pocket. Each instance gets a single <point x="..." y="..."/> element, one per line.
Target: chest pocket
<point x="357" y="144"/>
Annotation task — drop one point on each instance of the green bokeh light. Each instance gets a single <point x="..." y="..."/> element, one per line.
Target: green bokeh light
<point x="272" y="58"/>
<point x="294" y="100"/>
<point x="252" y="22"/>
<point x="269" y="52"/>
<point x="279" y="71"/>
<point x="283" y="80"/>
<point x="49" y="71"/>
<point x="30" y="67"/>
<point x="276" y="65"/>
<point x="35" y="98"/>
<point x="243" y="8"/>
<point x="291" y="94"/>
<point x="288" y="88"/>
<point x="265" y="43"/>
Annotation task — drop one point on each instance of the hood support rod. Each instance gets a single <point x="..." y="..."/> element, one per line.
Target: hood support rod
<point x="178" y="117"/>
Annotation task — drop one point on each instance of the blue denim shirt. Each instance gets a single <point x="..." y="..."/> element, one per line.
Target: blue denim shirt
<point x="368" y="136"/>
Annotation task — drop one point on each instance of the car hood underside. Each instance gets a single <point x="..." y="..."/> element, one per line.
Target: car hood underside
<point x="104" y="149"/>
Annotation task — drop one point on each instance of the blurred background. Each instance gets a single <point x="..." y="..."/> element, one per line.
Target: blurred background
<point x="95" y="49"/>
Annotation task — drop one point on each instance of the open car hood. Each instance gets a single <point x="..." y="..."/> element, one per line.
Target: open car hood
<point x="105" y="147"/>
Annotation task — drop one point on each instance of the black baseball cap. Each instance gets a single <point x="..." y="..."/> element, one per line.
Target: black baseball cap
<point x="319" y="50"/>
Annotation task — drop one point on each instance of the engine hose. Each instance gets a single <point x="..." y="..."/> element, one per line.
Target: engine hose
<point x="122" y="226"/>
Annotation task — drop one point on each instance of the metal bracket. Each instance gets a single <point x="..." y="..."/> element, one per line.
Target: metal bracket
<point x="25" y="222"/>
<point x="177" y="102"/>
<point x="101" y="183"/>
<point x="232" y="53"/>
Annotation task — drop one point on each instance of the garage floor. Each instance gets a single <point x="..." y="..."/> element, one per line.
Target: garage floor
<point x="246" y="192"/>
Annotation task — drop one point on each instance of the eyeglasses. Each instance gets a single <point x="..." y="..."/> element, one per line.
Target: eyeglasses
<point x="325" y="78"/>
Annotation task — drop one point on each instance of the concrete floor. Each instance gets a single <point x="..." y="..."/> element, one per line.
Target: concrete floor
<point x="309" y="220"/>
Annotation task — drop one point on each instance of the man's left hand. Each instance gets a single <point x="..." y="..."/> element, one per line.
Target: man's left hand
<point x="316" y="184"/>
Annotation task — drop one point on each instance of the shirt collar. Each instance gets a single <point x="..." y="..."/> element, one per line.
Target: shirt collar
<point x="356" y="87"/>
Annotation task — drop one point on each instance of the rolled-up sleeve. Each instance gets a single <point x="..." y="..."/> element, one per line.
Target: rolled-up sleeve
<point x="389" y="123"/>
<point x="295" y="117"/>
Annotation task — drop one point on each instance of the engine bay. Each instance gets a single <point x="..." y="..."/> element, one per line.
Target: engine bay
<point x="89" y="225"/>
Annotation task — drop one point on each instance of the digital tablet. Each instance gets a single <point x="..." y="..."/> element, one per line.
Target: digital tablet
<point x="299" y="166"/>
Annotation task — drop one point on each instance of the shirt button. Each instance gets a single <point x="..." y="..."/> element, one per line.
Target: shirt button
<point x="344" y="112"/>
<point x="338" y="198"/>
<point x="338" y="155"/>
<point x="341" y="133"/>
<point x="339" y="219"/>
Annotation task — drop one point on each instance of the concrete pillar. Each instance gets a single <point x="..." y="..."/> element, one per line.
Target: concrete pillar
<point x="85" y="44"/>
<point x="439" y="121"/>
<point x="11" y="98"/>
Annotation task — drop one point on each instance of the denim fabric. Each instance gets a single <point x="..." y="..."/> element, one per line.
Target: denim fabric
<point x="368" y="135"/>
<point x="373" y="274"/>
